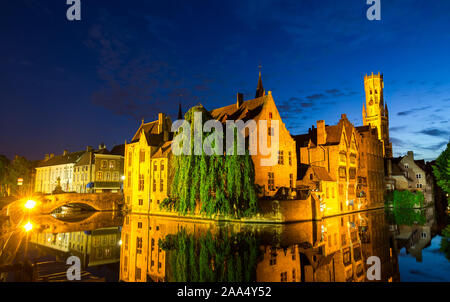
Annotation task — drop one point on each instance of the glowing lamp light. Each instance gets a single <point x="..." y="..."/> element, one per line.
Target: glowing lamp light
<point x="120" y="242"/>
<point x="123" y="177"/>
<point x="28" y="227"/>
<point x="30" y="204"/>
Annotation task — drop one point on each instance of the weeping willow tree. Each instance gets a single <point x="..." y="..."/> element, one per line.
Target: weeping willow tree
<point x="216" y="184"/>
<point x="224" y="257"/>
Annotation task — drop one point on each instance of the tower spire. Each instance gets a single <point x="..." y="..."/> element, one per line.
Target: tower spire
<point x="260" y="89"/>
<point x="180" y="113"/>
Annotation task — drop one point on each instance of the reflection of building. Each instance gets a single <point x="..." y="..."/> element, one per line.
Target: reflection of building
<point x="262" y="107"/>
<point x="99" y="170"/>
<point x="141" y="257"/>
<point x="377" y="240"/>
<point x="94" y="248"/>
<point x="334" y="249"/>
<point x="416" y="235"/>
<point x="146" y="165"/>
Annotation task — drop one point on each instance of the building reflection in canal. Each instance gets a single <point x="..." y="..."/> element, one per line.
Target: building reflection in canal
<point x="145" y="248"/>
<point x="335" y="249"/>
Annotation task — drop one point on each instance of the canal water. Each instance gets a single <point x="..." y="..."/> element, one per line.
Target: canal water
<point x="411" y="245"/>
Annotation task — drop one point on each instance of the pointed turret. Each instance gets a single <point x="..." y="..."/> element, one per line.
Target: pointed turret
<point x="260" y="89"/>
<point x="180" y="113"/>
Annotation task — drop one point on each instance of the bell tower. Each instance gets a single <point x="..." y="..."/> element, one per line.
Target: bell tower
<point x="375" y="112"/>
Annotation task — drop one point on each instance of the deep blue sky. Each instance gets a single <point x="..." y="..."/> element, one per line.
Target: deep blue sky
<point x="66" y="85"/>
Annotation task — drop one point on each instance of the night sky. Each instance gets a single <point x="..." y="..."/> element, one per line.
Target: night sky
<point x="66" y="85"/>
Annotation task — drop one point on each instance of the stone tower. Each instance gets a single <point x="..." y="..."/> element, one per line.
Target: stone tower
<point x="375" y="112"/>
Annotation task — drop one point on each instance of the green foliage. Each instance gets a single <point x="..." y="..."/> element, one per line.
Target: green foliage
<point x="445" y="242"/>
<point x="406" y="216"/>
<point x="441" y="170"/>
<point x="405" y="199"/>
<point x="225" y="257"/>
<point x="217" y="184"/>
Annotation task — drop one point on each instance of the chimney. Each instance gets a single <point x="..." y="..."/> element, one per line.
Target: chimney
<point x="389" y="167"/>
<point x="65" y="152"/>
<point x="411" y="155"/>
<point x="343" y="116"/>
<point x="52" y="155"/>
<point x="46" y="157"/>
<point x="88" y="149"/>
<point x="240" y="99"/>
<point x="321" y="133"/>
<point x="161" y="117"/>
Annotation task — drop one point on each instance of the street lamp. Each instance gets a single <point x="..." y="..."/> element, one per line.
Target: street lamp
<point x="28" y="226"/>
<point x="30" y="204"/>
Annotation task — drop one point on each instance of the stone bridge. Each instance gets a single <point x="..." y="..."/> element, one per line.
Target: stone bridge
<point x="46" y="204"/>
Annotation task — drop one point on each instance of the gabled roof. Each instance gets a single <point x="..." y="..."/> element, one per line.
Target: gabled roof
<point x="249" y="109"/>
<point x="333" y="136"/>
<point x="148" y="128"/>
<point x="69" y="158"/>
<point x="118" y="150"/>
<point x="421" y="164"/>
<point x="320" y="172"/>
<point x="163" y="151"/>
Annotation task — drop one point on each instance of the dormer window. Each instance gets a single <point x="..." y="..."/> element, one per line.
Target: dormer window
<point x="370" y="91"/>
<point x="270" y="115"/>
<point x="376" y="91"/>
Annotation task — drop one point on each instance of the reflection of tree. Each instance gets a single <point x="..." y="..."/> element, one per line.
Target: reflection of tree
<point x="406" y="217"/>
<point x="445" y="242"/>
<point x="223" y="257"/>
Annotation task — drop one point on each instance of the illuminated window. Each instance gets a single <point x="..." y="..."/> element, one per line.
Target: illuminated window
<point x="271" y="182"/>
<point x="104" y="164"/>
<point x="112" y="164"/>
<point x="141" y="182"/>
<point x="99" y="176"/>
<point x="130" y="158"/>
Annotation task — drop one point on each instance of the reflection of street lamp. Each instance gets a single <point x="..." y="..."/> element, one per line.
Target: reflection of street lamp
<point x="28" y="226"/>
<point x="30" y="204"/>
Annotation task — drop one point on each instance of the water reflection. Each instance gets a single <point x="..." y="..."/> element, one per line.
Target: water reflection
<point x="41" y="254"/>
<point x="335" y="249"/>
<point x="143" y="248"/>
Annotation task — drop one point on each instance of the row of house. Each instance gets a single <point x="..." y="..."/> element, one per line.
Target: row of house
<point x="407" y="173"/>
<point x="88" y="171"/>
<point x="340" y="165"/>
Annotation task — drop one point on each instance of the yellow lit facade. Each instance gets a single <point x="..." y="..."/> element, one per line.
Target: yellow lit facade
<point x="146" y="166"/>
